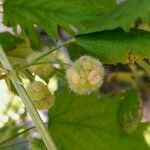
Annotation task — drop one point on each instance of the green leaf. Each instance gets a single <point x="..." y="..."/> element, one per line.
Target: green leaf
<point x="75" y="51"/>
<point x="37" y="144"/>
<point x="49" y="13"/>
<point x="131" y="111"/>
<point x="22" y="50"/>
<point x="123" y="16"/>
<point x="9" y="41"/>
<point x="6" y="130"/>
<point x="116" y="46"/>
<point x="33" y="36"/>
<point x="91" y="123"/>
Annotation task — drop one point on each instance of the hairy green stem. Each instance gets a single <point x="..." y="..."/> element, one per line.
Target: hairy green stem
<point x="27" y="102"/>
<point x="52" y="50"/>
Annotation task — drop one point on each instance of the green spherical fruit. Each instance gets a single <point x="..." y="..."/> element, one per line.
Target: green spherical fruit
<point x="40" y="95"/>
<point x="85" y="75"/>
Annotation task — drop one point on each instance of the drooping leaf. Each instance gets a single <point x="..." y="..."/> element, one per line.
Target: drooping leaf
<point x="91" y="123"/>
<point x="9" y="41"/>
<point x="122" y="16"/>
<point x="49" y="13"/>
<point x="116" y="46"/>
<point x="33" y="36"/>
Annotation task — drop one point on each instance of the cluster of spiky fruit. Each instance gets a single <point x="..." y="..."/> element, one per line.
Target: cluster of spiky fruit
<point x="85" y="75"/>
<point x="40" y="95"/>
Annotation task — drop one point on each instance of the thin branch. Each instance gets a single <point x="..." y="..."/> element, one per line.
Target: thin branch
<point x="13" y="145"/>
<point x="41" y="63"/>
<point x="145" y="66"/>
<point x="135" y="74"/>
<point x="52" y="50"/>
<point x="29" y="75"/>
<point x="16" y="135"/>
<point x="34" y="64"/>
<point x="27" y="102"/>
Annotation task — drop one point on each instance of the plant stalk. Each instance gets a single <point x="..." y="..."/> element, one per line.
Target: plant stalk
<point x="27" y="102"/>
<point x="52" y="50"/>
<point x="145" y="66"/>
<point x="16" y="135"/>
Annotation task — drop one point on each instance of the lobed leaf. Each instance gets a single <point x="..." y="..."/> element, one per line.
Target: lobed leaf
<point x="89" y="122"/>
<point x="124" y="15"/>
<point x="49" y="13"/>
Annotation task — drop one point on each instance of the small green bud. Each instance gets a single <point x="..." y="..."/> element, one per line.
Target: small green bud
<point x="85" y="75"/>
<point x="40" y="95"/>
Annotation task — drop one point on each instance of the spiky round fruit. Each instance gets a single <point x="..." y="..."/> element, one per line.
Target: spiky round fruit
<point x="85" y="75"/>
<point x="40" y="95"/>
<point x="45" y="68"/>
